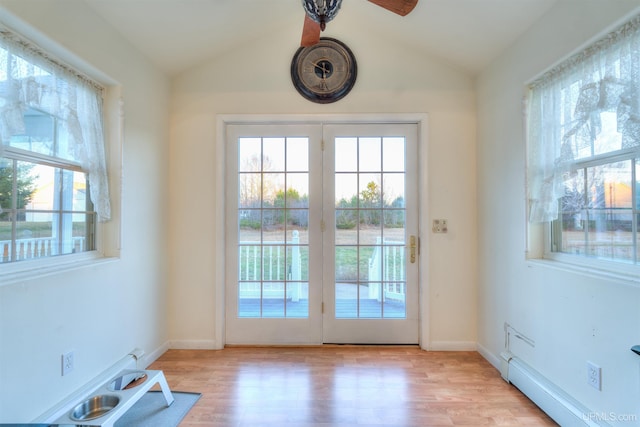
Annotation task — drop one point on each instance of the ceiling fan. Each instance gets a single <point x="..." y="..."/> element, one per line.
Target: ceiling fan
<point x="319" y="12"/>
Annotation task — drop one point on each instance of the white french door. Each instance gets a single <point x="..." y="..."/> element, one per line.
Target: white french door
<point x="319" y="226"/>
<point x="370" y="241"/>
<point x="273" y="237"/>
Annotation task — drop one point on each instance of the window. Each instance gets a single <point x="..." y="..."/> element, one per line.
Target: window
<point x="53" y="183"/>
<point x="583" y="150"/>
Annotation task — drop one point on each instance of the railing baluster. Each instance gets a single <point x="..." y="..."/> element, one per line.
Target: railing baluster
<point x="262" y="268"/>
<point x="270" y="262"/>
<point x="35" y="248"/>
<point x="243" y="253"/>
<point x="278" y="277"/>
<point x="255" y="263"/>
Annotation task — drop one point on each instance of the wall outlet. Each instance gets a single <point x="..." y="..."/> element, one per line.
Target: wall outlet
<point x="67" y="363"/>
<point x="594" y="376"/>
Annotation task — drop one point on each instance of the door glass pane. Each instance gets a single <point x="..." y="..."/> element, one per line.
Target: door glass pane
<point x="273" y="185"/>
<point x="273" y="219"/>
<point x="346" y="230"/>
<point x="369" y="155"/>
<point x="370" y="276"/>
<point x="346" y="154"/>
<point x="249" y="155"/>
<point x="250" y="187"/>
<point x="297" y="154"/>
<point x="296" y="196"/>
<point x="273" y="154"/>
<point x="393" y="152"/>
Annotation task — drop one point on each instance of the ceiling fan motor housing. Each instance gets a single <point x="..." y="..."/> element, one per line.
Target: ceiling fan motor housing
<point x="321" y="11"/>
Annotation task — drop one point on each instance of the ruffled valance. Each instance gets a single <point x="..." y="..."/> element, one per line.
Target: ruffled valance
<point x="31" y="79"/>
<point x="564" y="111"/>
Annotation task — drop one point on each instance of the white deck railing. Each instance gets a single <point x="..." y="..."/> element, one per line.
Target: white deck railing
<point x="263" y="274"/>
<point x="258" y="262"/>
<point x="386" y="265"/>
<point x="33" y="248"/>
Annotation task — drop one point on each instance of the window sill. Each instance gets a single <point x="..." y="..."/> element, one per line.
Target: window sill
<point x="624" y="274"/>
<point x="21" y="271"/>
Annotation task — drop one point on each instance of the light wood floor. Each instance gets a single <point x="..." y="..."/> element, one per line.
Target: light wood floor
<point x="345" y="386"/>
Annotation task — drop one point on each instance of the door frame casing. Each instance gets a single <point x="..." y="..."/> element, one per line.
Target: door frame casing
<point x="222" y="120"/>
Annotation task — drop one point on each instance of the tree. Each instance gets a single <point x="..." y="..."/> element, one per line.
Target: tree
<point x="371" y="195"/>
<point x="25" y="185"/>
<point x="370" y="200"/>
<point x="294" y="207"/>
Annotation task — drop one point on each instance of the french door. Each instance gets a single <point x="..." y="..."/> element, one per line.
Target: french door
<point x="370" y="242"/>
<point x="321" y="226"/>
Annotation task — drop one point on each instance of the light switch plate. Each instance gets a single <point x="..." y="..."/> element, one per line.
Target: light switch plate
<point x="439" y="226"/>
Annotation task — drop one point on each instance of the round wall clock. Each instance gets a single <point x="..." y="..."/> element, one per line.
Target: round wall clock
<point x="324" y="72"/>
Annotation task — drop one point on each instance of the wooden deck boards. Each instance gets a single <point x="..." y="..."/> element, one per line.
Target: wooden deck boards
<point x="345" y="308"/>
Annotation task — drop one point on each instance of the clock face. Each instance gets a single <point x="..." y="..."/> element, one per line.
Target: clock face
<point x="324" y="72"/>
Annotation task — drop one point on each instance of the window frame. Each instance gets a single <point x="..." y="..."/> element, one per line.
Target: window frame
<point x="14" y="154"/>
<point x="538" y="232"/>
<point x="620" y="268"/>
<point x="107" y="234"/>
<point x="541" y="239"/>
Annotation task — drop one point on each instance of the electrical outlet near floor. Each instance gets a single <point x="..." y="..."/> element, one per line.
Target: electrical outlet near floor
<point x="594" y="375"/>
<point x="67" y="362"/>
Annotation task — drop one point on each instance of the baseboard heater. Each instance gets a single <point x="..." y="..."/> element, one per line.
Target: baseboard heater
<point x="564" y="409"/>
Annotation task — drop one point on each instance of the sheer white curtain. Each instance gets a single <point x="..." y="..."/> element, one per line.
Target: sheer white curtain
<point x="30" y="79"/>
<point x="564" y="111"/>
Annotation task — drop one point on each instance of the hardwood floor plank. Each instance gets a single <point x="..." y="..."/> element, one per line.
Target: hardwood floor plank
<point x="331" y="386"/>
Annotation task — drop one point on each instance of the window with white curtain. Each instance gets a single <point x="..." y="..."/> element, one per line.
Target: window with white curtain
<point x="53" y="176"/>
<point x="583" y="151"/>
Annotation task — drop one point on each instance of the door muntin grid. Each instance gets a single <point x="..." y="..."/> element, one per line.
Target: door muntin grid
<point x="370" y="227"/>
<point x="273" y="225"/>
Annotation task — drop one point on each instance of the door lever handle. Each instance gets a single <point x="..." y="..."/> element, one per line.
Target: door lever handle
<point x="412" y="249"/>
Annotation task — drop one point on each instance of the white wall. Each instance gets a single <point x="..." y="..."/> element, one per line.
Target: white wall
<point x="255" y="79"/>
<point x="105" y="311"/>
<point x="573" y="318"/>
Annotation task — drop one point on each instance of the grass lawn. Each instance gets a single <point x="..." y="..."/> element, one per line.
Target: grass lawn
<point x="36" y="229"/>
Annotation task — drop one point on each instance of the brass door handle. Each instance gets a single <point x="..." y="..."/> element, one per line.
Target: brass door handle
<point x="412" y="249"/>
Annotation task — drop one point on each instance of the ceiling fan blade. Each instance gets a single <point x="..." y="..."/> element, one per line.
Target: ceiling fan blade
<point x="310" y="32"/>
<point x="401" y="7"/>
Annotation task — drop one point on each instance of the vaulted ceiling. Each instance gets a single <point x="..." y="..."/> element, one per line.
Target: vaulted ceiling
<point x="179" y="34"/>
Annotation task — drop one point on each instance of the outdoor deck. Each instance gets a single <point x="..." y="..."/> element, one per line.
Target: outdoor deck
<point x="345" y="308"/>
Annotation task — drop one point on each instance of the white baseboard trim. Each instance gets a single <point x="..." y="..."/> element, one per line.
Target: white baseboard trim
<point x="453" y="346"/>
<point x="155" y="354"/>
<point x="490" y="357"/>
<point x="193" y="345"/>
